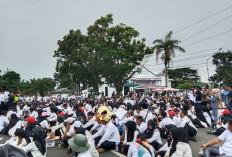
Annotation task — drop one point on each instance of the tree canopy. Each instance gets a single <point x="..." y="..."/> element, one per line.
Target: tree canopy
<point x="183" y="75"/>
<point x="106" y="51"/>
<point x="223" y="63"/>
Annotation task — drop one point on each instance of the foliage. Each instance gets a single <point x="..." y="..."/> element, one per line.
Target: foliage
<point x="12" y="81"/>
<point x="167" y="48"/>
<point x="223" y="63"/>
<point x="185" y="85"/>
<point x="182" y="75"/>
<point x="106" y="51"/>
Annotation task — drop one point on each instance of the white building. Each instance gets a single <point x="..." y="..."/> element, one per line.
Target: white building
<point x="141" y="79"/>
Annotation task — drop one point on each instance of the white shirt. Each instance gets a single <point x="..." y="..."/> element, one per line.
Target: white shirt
<point x="100" y="132"/>
<point x="68" y="111"/>
<point x="142" y="127"/>
<point x="3" y="120"/>
<point x="186" y="120"/>
<point x="89" y="123"/>
<point x="88" y="108"/>
<point x="34" y="114"/>
<point x="226" y="148"/>
<point x="111" y="134"/>
<point x="52" y="118"/>
<point x="166" y="121"/>
<point x="146" y="115"/>
<point x="85" y="154"/>
<point x="126" y="120"/>
<point x="1" y="98"/>
<point x="18" y="125"/>
<point x="176" y="120"/>
<point x="155" y="137"/>
<point x="31" y="147"/>
<point x="6" y="93"/>
<point x="44" y="124"/>
<point x="71" y="131"/>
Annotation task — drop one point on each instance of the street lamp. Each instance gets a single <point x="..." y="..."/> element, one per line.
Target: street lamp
<point x="207" y="64"/>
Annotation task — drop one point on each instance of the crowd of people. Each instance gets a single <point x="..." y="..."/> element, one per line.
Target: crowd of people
<point x="136" y="125"/>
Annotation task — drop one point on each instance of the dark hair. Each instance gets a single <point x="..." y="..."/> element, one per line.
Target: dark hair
<point x="65" y="105"/>
<point x="131" y="113"/>
<point x="90" y="113"/>
<point x="207" y="86"/>
<point x="164" y="114"/>
<point x="4" y="112"/>
<point x="230" y="122"/>
<point x="140" y="118"/>
<point x="184" y="112"/>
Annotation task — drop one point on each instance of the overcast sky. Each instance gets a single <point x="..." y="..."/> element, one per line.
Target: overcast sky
<point x="29" y="30"/>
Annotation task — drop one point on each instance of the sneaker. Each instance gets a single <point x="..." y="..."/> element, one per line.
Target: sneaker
<point x="61" y="146"/>
<point x="210" y="132"/>
<point x="101" y="150"/>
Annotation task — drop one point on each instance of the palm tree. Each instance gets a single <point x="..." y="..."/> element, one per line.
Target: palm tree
<point x="167" y="47"/>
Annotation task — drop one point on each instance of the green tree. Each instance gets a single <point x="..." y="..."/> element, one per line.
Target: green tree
<point x="185" y="85"/>
<point x="167" y="48"/>
<point x="223" y="63"/>
<point x="106" y="51"/>
<point x="10" y="80"/>
<point x="182" y="75"/>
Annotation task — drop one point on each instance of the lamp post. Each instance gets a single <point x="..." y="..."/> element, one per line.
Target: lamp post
<point x="207" y="64"/>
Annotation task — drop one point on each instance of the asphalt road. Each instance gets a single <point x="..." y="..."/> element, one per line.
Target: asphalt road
<point x="202" y="137"/>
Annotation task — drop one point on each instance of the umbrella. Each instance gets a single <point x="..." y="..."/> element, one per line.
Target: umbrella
<point x="130" y="85"/>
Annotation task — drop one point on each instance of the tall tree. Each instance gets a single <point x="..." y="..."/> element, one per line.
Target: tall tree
<point x="11" y="80"/>
<point x="223" y="63"/>
<point x="182" y="75"/>
<point x="106" y="51"/>
<point x="167" y="48"/>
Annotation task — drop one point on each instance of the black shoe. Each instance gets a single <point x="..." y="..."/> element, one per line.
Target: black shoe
<point x="193" y="139"/>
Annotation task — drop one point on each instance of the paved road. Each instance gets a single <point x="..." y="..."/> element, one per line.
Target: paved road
<point x="202" y="137"/>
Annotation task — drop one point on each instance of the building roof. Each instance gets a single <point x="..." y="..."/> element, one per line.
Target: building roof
<point x="149" y="86"/>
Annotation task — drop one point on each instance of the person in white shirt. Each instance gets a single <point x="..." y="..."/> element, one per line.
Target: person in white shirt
<point x="152" y="134"/>
<point x="174" y="118"/>
<point x="141" y="126"/>
<point x="192" y="130"/>
<point x="67" y="110"/>
<point x="33" y="112"/>
<point x="130" y="137"/>
<point x="79" y="144"/>
<point x="225" y="149"/>
<point x="14" y="124"/>
<point x="145" y="113"/>
<point x="3" y="120"/>
<point x="91" y="119"/>
<point x="111" y="137"/>
<point x="37" y="147"/>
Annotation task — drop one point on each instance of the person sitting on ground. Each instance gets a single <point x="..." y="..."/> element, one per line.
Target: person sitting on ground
<point x="141" y="126"/>
<point x="15" y="123"/>
<point x="179" y="146"/>
<point x="130" y="137"/>
<point x="192" y="130"/>
<point x="4" y="122"/>
<point x="152" y="134"/>
<point x="110" y="138"/>
<point x="162" y="151"/>
<point x="141" y="148"/>
<point x="30" y="124"/>
<point x="80" y="146"/>
<point x="91" y="118"/>
<point x="86" y="133"/>
<point x="165" y="121"/>
<point x="24" y="137"/>
<point x="37" y="147"/>
<point x="225" y="149"/>
<point x="222" y="124"/>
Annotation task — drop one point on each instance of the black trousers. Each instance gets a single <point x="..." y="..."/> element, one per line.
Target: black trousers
<point x="107" y="145"/>
<point x="155" y="145"/>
